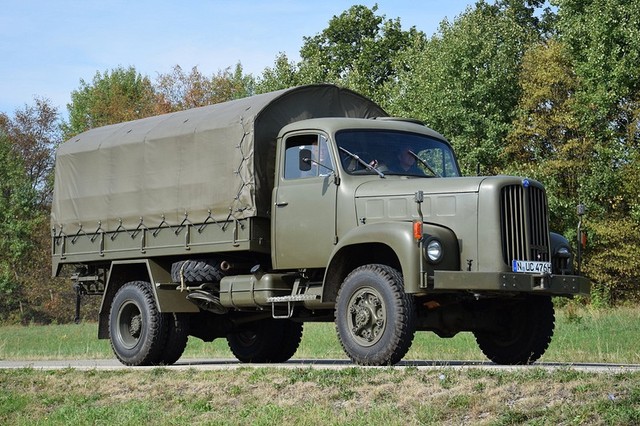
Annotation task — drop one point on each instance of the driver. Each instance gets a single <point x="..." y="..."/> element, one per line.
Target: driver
<point x="406" y="162"/>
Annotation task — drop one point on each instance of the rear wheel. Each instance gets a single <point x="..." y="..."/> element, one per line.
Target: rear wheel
<point x="375" y="318"/>
<point x="136" y="327"/>
<point x="522" y="334"/>
<point x="177" y="336"/>
<point x="266" y="341"/>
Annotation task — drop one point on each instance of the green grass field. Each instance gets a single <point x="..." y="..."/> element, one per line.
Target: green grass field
<point x="581" y="335"/>
<point x="256" y="395"/>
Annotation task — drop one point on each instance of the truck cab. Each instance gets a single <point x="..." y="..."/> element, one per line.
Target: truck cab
<point x="352" y="193"/>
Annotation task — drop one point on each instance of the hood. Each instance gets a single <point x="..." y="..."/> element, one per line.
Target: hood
<point x="398" y="186"/>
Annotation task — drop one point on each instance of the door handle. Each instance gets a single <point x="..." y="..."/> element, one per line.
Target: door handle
<point x="282" y="204"/>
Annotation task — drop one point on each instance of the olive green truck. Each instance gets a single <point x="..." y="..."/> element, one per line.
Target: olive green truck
<point x="246" y="219"/>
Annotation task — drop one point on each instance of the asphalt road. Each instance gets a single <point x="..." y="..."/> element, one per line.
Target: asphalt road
<point x="227" y="364"/>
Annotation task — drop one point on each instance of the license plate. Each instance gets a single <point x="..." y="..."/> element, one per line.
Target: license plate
<point x="531" y="267"/>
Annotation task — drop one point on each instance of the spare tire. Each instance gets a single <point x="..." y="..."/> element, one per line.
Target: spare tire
<point x="197" y="271"/>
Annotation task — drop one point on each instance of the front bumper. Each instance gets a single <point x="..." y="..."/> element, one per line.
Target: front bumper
<point x="560" y="285"/>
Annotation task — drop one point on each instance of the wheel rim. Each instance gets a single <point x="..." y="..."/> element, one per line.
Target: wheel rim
<point x="366" y="316"/>
<point x="129" y="324"/>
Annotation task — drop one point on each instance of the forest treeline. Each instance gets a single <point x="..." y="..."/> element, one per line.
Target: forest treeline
<point x="547" y="91"/>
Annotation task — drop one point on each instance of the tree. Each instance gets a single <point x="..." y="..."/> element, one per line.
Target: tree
<point x="34" y="132"/>
<point x="464" y="81"/>
<point x="612" y="260"/>
<point x="179" y="91"/>
<point x="533" y="14"/>
<point x="603" y="37"/>
<point x="603" y="40"/>
<point x="112" y="97"/>
<point x="18" y="221"/>
<point x="282" y="75"/>
<point x="357" y="50"/>
<point x="26" y="153"/>
<point x="545" y="140"/>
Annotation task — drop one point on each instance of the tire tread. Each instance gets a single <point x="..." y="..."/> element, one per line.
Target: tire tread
<point x="197" y="271"/>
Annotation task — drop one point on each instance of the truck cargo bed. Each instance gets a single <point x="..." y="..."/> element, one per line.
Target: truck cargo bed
<point x="186" y="239"/>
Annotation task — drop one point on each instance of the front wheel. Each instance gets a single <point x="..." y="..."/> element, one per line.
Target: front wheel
<point x="136" y="327"/>
<point x="521" y="333"/>
<point x="375" y="318"/>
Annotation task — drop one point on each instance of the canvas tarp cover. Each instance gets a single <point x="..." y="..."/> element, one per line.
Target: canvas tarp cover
<point x="210" y="163"/>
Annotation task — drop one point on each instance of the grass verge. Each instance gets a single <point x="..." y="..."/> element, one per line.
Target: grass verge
<point x="306" y="396"/>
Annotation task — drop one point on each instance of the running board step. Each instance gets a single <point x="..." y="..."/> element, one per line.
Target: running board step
<point x="289" y="300"/>
<point x="294" y="298"/>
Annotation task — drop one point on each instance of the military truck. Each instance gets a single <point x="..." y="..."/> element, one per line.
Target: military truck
<point x="246" y="219"/>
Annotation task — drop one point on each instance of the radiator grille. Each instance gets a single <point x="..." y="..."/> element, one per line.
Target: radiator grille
<point x="524" y="223"/>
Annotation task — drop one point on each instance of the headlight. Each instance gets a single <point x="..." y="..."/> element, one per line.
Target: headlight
<point x="563" y="252"/>
<point x="434" y="250"/>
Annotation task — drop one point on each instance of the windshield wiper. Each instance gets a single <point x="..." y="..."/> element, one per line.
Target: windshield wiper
<point x="424" y="163"/>
<point x="362" y="162"/>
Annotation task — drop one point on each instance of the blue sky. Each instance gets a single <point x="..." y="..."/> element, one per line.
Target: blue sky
<point x="47" y="46"/>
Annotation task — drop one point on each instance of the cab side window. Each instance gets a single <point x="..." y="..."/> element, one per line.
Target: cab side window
<point x="307" y="156"/>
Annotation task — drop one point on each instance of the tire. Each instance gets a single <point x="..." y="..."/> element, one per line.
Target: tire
<point x="266" y="341"/>
<point x="523" y="333"/>
<point x="177" y="336"/>
<point x="197" y="271"/>
<point x="137" y="329"/>
<point x="291" y="338"/>
<point x="375" y="318"/>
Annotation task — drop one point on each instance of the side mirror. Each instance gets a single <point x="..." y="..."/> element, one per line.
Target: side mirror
<point x="304" y="160"/>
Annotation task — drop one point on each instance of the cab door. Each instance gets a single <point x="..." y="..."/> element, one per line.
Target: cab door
<point x="304" y="210"/>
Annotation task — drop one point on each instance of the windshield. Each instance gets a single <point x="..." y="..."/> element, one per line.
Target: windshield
<point x="395" y="153"/>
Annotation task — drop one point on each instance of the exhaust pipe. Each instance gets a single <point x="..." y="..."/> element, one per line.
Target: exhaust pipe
<point x="227" y="266"/>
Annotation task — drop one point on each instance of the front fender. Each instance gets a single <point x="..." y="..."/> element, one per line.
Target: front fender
<point x="384" y="242"/>
<point x="562" y="262"/>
